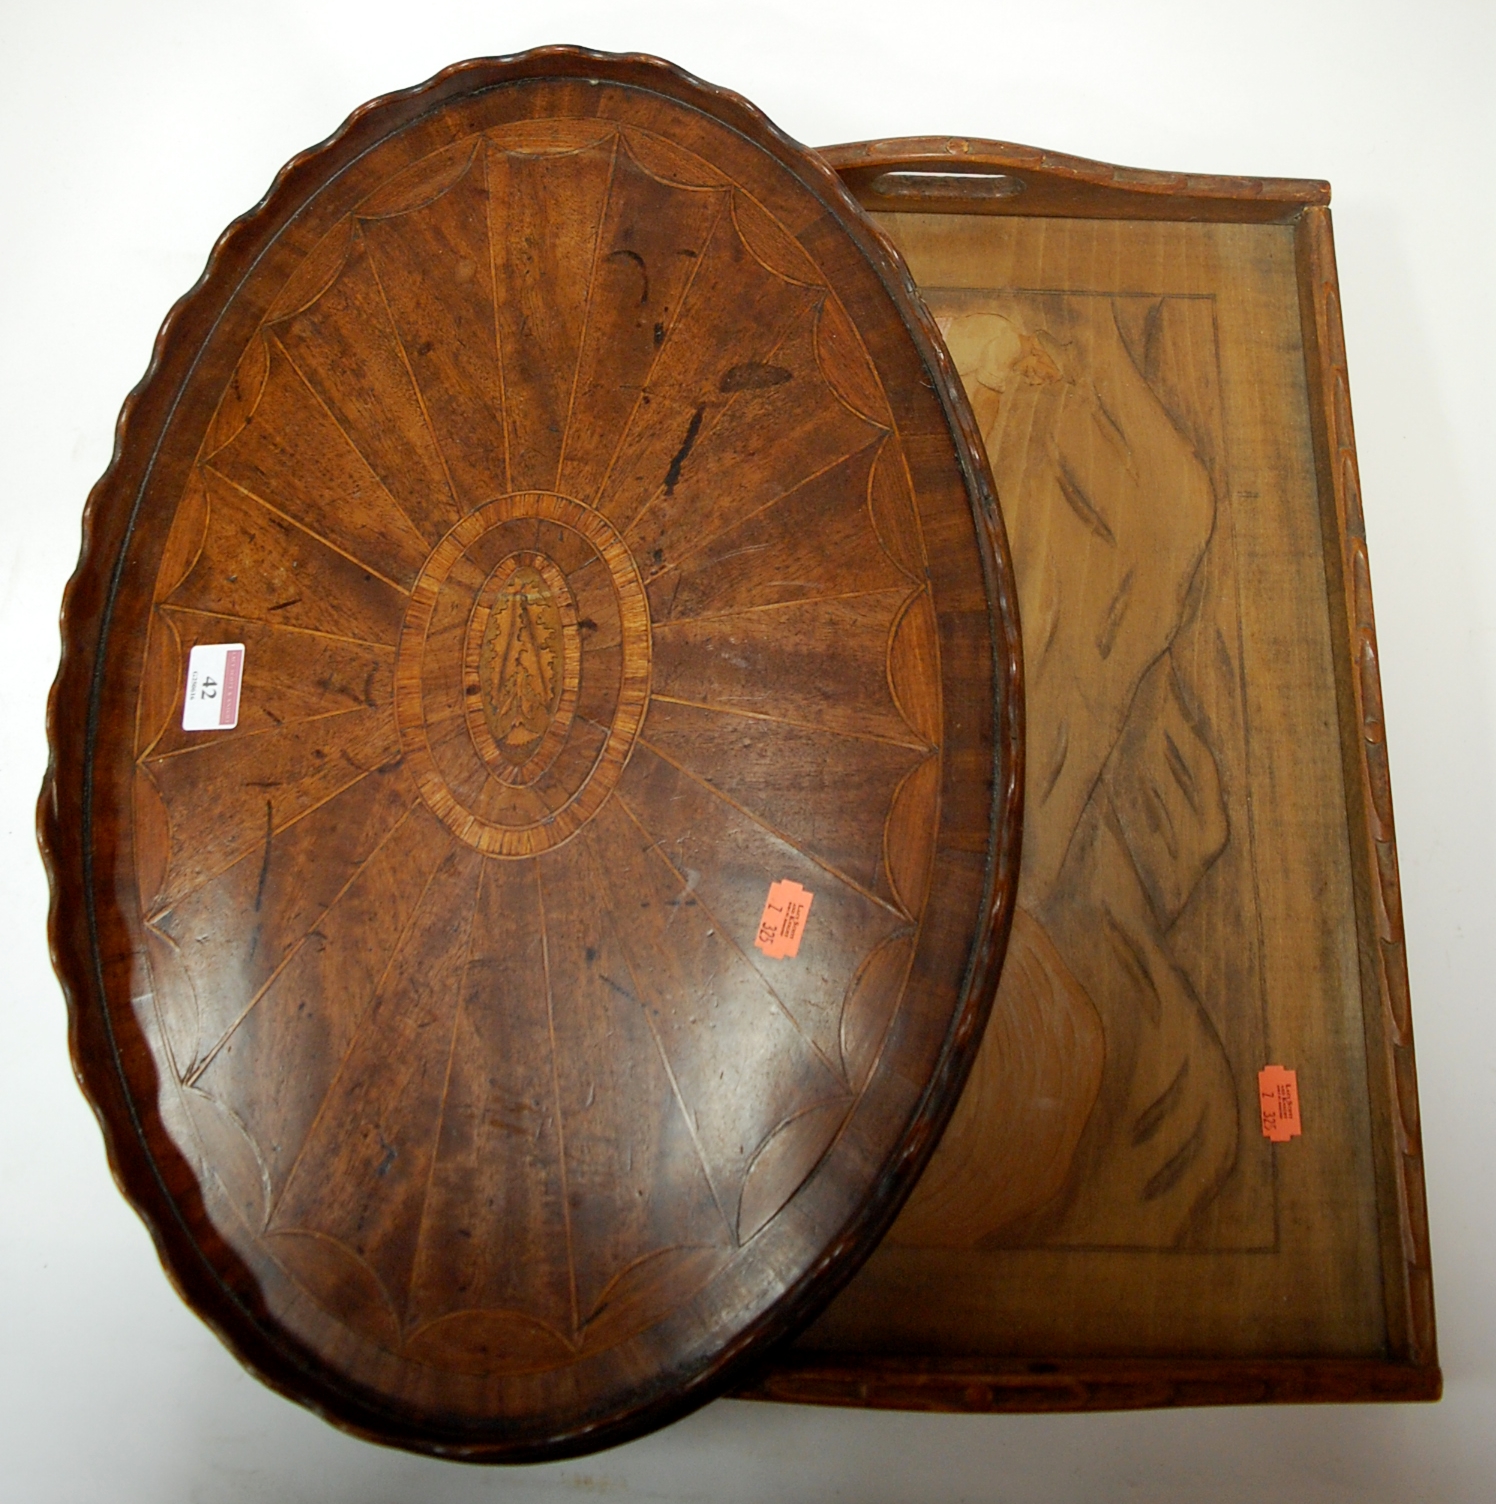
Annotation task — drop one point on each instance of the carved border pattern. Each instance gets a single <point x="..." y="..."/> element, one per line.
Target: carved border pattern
<point x="1331" y="395"/>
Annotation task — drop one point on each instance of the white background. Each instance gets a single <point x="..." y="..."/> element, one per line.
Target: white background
<point x="131" y="134"/>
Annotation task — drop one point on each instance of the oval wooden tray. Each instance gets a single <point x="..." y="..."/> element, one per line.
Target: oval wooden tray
<point x="542" y="988"/>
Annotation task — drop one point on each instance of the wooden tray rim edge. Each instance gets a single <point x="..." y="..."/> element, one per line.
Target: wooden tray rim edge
<point x="1108" y="189"/>
<point x="1035" y="1386"/>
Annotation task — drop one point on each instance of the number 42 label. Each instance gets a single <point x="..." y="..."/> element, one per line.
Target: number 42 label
<point x="214" y="673"/>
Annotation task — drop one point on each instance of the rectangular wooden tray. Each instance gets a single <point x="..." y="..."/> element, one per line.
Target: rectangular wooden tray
<point x="1209" y="875"/>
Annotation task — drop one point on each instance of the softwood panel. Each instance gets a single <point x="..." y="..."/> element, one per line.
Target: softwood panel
<point x="1157" y="370"/>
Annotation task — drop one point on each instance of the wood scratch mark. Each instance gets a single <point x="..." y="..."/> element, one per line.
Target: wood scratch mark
<point x="753" y="376"/>
<point x="672" y="475"/>
<point x="265" y="864"/>
<point x="638" y="261"/>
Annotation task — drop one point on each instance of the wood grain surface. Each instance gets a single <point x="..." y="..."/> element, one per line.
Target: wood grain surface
<point x="1209" y="882"/>
<point x="608" y="540"/>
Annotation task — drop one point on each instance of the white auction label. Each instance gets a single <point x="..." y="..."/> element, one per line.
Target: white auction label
<point x="214" y="672"/>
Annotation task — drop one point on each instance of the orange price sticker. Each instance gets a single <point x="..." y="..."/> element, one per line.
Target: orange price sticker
<point x="1278" y="1095"/>
<point x="786" y="910"/>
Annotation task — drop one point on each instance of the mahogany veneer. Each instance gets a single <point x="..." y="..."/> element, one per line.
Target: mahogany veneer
<point x="608" y="539"/>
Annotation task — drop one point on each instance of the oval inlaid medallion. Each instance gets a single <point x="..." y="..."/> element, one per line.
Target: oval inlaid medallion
<point x="529" y="616"/>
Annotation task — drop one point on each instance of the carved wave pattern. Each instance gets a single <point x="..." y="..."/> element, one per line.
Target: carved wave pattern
<point x="413" y="1056"/>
